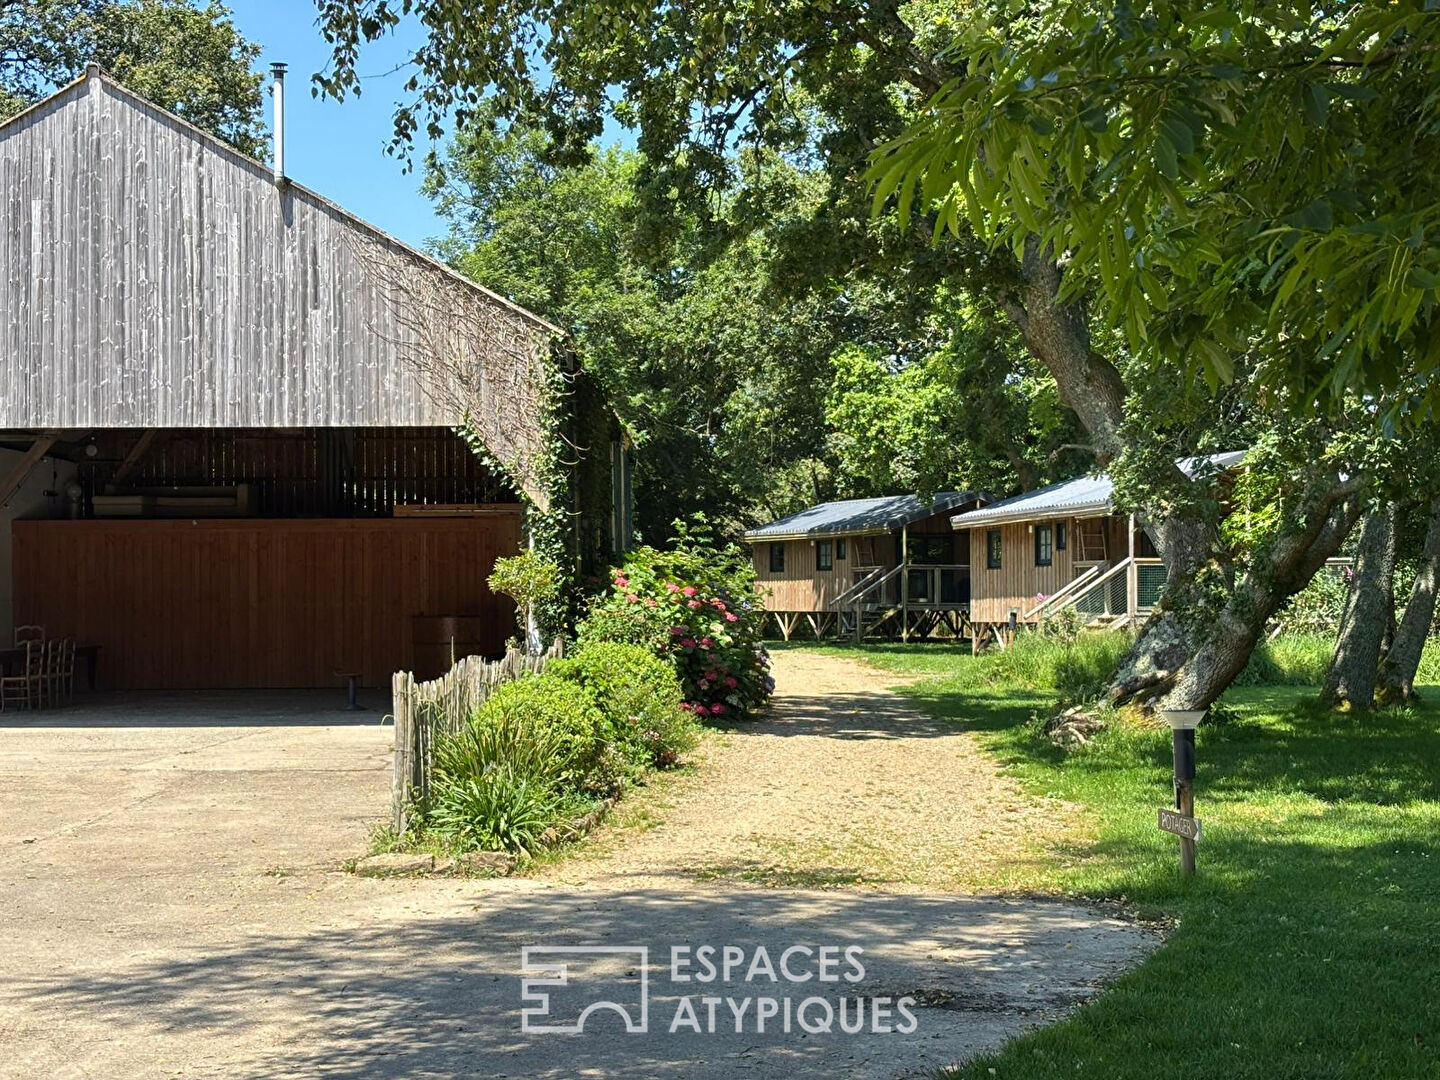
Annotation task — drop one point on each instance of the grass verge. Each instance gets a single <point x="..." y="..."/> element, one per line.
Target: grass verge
<point x="1308" y="946"/>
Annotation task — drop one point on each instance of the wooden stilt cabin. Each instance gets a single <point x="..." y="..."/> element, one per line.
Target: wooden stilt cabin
<point x="1064" y="546"/>
<point x="894" y="566"/>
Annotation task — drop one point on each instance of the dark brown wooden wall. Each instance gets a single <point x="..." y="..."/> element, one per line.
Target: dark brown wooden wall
<point x="258" y="602"/>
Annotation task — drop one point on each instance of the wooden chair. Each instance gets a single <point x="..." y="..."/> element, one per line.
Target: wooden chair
<point x="58" y="683"/>
<point x="29" y="633"/>
<point x="24" y="689"/>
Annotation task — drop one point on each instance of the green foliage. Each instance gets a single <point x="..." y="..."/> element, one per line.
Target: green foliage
<point x="694" y="604"/>
<point x="976" y="413"/>
<point x="1233" y="177"/>
<point x="527" y="578"/>
<point x="1312" y="904"/>
<point x="186" y="57"/>
<point x="1075" y="669"/>
<point x="583" y="756"/>
<point x="499" y="809"/>
<point x="640" y="696"/>
<point x="718" y="379"/>
<point x="545" y="745"/>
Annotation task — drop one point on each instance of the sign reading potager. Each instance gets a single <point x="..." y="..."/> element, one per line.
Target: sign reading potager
<point x="1173" y="821"/>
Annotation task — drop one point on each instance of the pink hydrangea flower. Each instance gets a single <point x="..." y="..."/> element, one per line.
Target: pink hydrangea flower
<point x="707" y="643"/>
<point x="621" y="580"/>
<point x="631" y="597"/>
<point x="651" y="602"/>
<point x="719" y="604"/>
<point x="694" y="604"/>
<point x="689" y="590"/>
<point x="731" y="681"/>
<point x="717" y="709"/>
<point x="670" y="586"/>
<point x="676" y="631"/>
<point x="730" y="616"/>
<point x="688" y="642"/>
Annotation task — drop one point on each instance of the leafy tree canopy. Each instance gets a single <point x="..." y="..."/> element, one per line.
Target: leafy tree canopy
<point x="1227" y="178"/>
<point x="183" y="56"/>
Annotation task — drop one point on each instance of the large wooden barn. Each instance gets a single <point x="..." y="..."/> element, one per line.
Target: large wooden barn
<point x="891" y="565"/>
<point x="229" y="411"/>
<point x="1065" y="546"/>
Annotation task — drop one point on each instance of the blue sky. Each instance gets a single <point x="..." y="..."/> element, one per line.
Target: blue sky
<point x="338" y="149"/>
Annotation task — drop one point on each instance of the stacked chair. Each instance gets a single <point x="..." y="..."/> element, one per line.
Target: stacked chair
<point x="46" y="675"/>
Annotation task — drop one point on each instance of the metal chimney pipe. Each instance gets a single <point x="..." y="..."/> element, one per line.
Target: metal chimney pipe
<point x="277" y="91"/>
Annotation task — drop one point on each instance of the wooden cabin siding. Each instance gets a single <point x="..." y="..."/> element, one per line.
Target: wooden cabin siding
<point x="801" y="587"/>
<point x="261" y="603"/>
<point x="152" y="277"/>
<point x="994" y="593"/>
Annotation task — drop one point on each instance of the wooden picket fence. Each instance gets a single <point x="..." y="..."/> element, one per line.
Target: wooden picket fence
<point x="427" y="711"/>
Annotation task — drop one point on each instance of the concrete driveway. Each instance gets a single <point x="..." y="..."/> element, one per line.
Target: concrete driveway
<point x="173" y="904"/>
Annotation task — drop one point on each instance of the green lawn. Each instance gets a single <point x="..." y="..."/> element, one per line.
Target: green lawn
<point x="1307" y="946"/>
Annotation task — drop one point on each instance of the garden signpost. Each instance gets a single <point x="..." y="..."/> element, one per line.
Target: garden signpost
<point x="1181" y="821"/>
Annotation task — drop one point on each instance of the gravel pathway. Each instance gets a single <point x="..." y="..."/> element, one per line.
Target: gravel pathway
<point x="173" y="904"/>
<point x="843" y="785"/>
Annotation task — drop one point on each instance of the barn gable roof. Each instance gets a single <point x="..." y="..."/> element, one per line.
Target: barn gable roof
<point x="153" y="276"/>
<point x="860" y="517"/>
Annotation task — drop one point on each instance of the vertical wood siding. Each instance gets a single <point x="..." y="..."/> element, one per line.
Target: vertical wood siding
<point x="801" y="587"/>
<point x="151" y="277"/>
<point x="259" y="603"/>
<point x="1018" y="582"/>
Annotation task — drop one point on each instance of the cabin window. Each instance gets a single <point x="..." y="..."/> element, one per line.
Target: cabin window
<point x="824" y="555"/>
<point x="840" y="550"/>
<point x="1060" y="536"/>
<point x="1044" y="545"/>
<point x="777" y="558"/>
<point x="992" y="549"/>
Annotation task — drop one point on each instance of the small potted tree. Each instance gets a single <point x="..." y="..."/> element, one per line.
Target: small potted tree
<point x="527" y="579"/>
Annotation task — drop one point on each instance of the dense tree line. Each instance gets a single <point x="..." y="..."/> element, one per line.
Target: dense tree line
<point x="1209" y="225"/>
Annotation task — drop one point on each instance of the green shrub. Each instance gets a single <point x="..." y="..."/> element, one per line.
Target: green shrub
<point x="500" y="809"/>
<point x="527" y="579"/>
<point x="501" y="738"/>
<point x="695" y="605"/>
<point x="640" y="696"/>
<point x="553" y="709"/>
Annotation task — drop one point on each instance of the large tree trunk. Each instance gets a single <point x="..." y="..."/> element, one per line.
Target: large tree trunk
<point x="1292" y="560"/>
<point x="1350" y="682"/>
<point x="1189" y="650"/>
<point x="1402" y="660"/>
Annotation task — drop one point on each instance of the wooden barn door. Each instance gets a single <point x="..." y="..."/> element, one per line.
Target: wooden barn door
<point x="260" y="603"/>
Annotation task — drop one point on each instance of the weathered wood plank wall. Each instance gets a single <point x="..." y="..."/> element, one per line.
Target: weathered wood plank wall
<point x="1018" y="582"/>
<point x="257" y="603"/>
<point x="800" y="586"/>
<point x="153" y="277"/>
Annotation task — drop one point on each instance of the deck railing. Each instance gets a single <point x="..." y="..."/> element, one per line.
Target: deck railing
<point x="921" y="586"/>
<point x="1128" y="590"/>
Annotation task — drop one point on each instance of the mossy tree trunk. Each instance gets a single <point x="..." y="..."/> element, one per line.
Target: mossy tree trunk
<point x="1216" y="609"/>
<point x="1402" y="659"/>
<point x="1350" y="682"/>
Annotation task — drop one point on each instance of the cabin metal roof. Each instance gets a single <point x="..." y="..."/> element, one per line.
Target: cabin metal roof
<point x="1084" y="496"/>
<point x="860" y="517"/>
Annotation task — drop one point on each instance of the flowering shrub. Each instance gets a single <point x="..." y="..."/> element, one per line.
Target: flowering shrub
<point x="694" y="604"/>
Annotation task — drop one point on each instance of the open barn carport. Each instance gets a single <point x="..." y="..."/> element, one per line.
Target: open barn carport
<point x="258" y="558"/>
